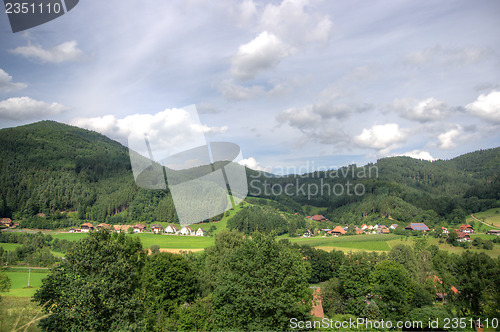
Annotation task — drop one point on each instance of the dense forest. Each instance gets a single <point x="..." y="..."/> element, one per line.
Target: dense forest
<point x="50" y="171"/>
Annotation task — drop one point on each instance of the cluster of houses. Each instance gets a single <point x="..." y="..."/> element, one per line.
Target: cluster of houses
<point x="140" y="228"/>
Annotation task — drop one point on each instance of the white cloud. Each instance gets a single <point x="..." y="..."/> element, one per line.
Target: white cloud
<point x="168" y="131"/>
<point x="426" y="110"/>
<point x="65" y="52"/>
<point x="262" y="53"/>
<point x="22" y="108"/>
<point x="314" y="115"/>
<point x="6" y="84"/>
<point x="253" y="164"/>
<point x="486" y="106"/>
<point x="418" y="154"/>
<point x="380" y="137"/>
<point x="297" y="22"/>
<point x="449" y="139"/>
<point x="233" y="91"/>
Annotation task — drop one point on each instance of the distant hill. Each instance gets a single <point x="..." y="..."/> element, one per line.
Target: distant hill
<point x="49" y="167"/>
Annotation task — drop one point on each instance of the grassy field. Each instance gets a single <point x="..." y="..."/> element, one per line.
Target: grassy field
<point x="9" y="246"/>
<point x="491" y="217"/>
<point x="19" y="314"/>
<point x="19" y="280"/>
<point x="448" y="247"/>
<point x="175" y="241"/>
<point x="368" y="242"/>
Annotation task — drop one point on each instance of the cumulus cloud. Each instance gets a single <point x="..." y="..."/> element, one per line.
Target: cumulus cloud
<point x="23" y="108"/>
<point x="6" y="84"/>
<point x="65" y="52"/>
<point x="445" y="56"/>
<point x="262" y="53"/>
<point x="418" y="154"/>
<point x="449" y="139"/>
<point x="313" y="115"/>
<point x="486" y="106"/>
<point x="169" y="131"/>
<point x="426" y="110"/>
<point x="297" y="22"/>
<point x="381" y="137"/>
<point x="253" y="164"/>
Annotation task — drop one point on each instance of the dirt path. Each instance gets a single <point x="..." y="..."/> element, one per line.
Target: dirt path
<point x="472" y="215"/>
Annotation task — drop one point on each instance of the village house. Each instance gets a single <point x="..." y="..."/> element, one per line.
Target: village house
<point x="316" y="217"/>
<point x="74" y="230"/>
<point x="465" y="229"/>
<point x="200" y="232"/>
<point x="186" y="230"/>
<point x="363" y="227"/>
<point x="103" y="225"/>
<point x="6" y="222"/>
<point x="463" y="237"/>
<point x="359" y="231"/>
<point x="86" y="227"/>
<point x="155" y="228"/>
<point x="171" y="229"/>
<point x="417" y="226"/>
<point x="139" y="228"/>
<point x="393" y="226"/>
<point x="493" y="231"/>
<point x="307" y="233"/>
<point x="121" y="228"/>
<point x="337" y="231"/>
<point x="445" y="230"/>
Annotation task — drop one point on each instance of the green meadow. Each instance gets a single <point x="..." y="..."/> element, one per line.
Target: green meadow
<point x="9" y="246"/>
<point x="19" y="280"/>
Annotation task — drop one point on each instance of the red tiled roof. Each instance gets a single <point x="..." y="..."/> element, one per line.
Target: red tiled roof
<point x="318" y="217"/>
<point x="87" y="224"/>
<point x="141" y="226"/>
<point x="338" y="229"/>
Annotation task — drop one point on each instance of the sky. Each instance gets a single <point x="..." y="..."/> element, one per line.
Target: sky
<point x="299" y="85"/>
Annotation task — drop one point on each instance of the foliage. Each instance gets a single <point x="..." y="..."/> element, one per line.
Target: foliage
<point x="95" y="287"/>
<point x="264" y="285"/>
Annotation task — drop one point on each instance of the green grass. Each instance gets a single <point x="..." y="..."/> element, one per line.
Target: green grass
<point x="19" y="314"/>
<point x="313" y="210"/>
<point x="175" y="241"/>
<point x="490" y="216"/>
<point x="368" y="242"/>
<point x="69" y="236"/>
<point x="19" y="280"/>
<point x="9" y="246"/>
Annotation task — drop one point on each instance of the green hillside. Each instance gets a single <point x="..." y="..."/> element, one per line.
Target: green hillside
<point x="69" y="174"/>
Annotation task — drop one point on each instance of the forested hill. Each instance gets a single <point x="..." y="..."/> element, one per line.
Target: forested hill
<point x="49" y="168"/>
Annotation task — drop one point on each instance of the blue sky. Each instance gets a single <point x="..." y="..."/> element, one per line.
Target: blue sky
<point x="299" y="83"/>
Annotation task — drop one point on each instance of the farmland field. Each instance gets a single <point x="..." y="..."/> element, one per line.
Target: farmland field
<point x="491" y="216"/>
<point x="369" y="242"/>
<point x="19" y="279"/>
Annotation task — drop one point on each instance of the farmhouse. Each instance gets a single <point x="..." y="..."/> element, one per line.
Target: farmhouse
<point x="121" y="228"/>
<point x="200" y="232"/>
<point x="171" y="229"/>
<point x="463" y="237"/>
<point x="465" y="229"/>
<point x="359" y="231"/>
<point x="87" y="227"/>
<point x="139" y="228"/>
<point x="103" y="225"/>
<point x="186" y="230"/>
<point x="7" y="222"/>
<point x="493" y="231"/>
<point x="155" y="228"/>
<point x="337" y="231"/>
<point x="445" y="230"/>
<point x="363" y="227"/>
<point x="393" y="226"/>
<point x="317" y="217"/>
<point x="307" y="233"/>
<point x="417" y="226"/>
